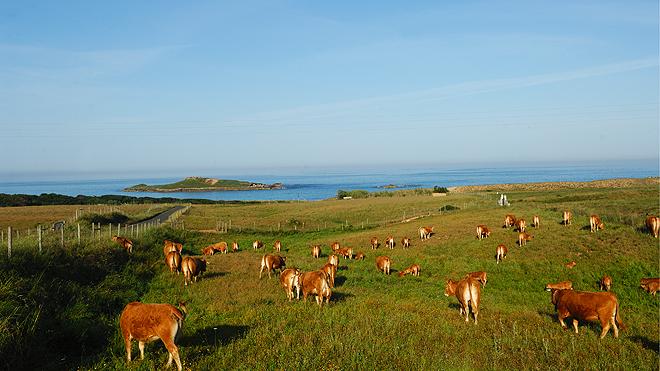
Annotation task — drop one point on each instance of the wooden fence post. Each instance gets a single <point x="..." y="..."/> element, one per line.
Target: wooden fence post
<point x="99" y="227"/>
<point x="78" y="233"/>
<point x="39" y="236"/>
<point x="93" y="230"/>
<point x="9" y="242"/>
<point x="132" y="229"/>
<point x="62" y="237"/>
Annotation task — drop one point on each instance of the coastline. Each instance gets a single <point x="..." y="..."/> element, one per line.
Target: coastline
<point x="547" y="186"/>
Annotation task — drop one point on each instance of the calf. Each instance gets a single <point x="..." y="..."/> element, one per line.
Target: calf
<point x="346" y="252"/>
<point x="172" y="246"/>
<point x="234" y="246"/>
<point x="173" y="261"/>
<point x="650" y="285"/>
<point x="124" y="242"/>
<point x="405" y="242"/>
<point x="653" y="225"/>
<point x="389" y="241"/>
<point x="315" y="283"/>
<point x="566" y="217"/>
<point x="359" y="256"/>
<point x="521" y="225"/>
<point x="220" y="247"/>
<point x="482" y="231"/>
<point x="374" y="243"/>
<point x="316" y="251"/>
<point x="333" y="259"/>
<point x="564" y="285"/>
<point x="480" y="276"/>
<point x="425" y="232"/>
<point x="605" y="283"/>
<point x="383" y="263"/>
<point x="149" y="322"/>
<point x="595" y="223"/>
<point x="523" y="238"/>
<point x="501" y="253"/>
<point x="588" y="306"/>
<point x="257" y="245"/>
<point x="208" y="250"/>
<point x="413" y="269"/>
<point x="509" y="220"/>
<point x="289" y="279"/>
<point x="192" y="268"/>
<point x="331" y="271"/>
<point x="272" y="262"/>
<point x="571" y="265"/>
<point x="536" y="221"/>
<point x="468" y="293"/>
<point x="335" y="246"/>
<point x="277" y="246"/>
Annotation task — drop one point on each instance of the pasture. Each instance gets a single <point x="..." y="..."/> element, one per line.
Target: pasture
<point x="237" y="320"/>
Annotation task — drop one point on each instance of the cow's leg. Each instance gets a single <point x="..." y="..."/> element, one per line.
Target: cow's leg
<point x="127" y="343"/>
<point x="606" y="327"/>
<point x="575" y="325"/>
<point x="261" y="271"/>
<point x="561" y="321"/>
<point x="174" y="354"/>
<point x="614" y="326"/>
<point x="141" y="346"/>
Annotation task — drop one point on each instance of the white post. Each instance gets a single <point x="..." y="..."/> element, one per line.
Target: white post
<point x="39" y="236"/>
<point x="9" y="242"/>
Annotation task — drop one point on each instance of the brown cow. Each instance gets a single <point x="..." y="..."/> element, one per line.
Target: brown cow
<point x="331" y="271"/>
<point x="257" y="245"/>
<point x="413" y="269"/>
<point x="315" y="283"/>
<point x="220" y="247"/>
<point x="566" y="217"/>
<point x="374" y="243"/>
<point x="149" y="322"/>
<point x="335" y="246"/>
<point x="501" y="253"/>
<point x="521" y="225"/>
<point x="405" y="242"/>
<point x="653" y="225"/>
<point x="523" y="238"/>
<point x="234" y="246"/>
<point x="383" y="263"/>
<point x="509" y="220"/>
<point x="333" y="259"/>
<point x="271" y="262"/>
<point x="563" y="285"/>
<point x="172" y="246"/>
<point x="316" y="251"/>
<point x="277" y="246"/>
<point x="536" y="221"/>
<point x="480" y="276"/>
<point x="605" y="283"/>
<point x="173" y="261"/>
<point x="425" y="232"/>
<point x="595" y="223"/>
<point x="389" y="241"/>
<point x="289" y="279"/>
<point x="346" y="252"/>
<point x="571" y="265"/>
<point x="482" y="231"/>
<point x="359" y="256"/>
<point x="192" y="268"/>
<point x="468" y="293"/>
<point x="588" y="306"/>
<point x="124" y="242"/>
<point x="650" y="285"/>
<point x="208" y="250"/>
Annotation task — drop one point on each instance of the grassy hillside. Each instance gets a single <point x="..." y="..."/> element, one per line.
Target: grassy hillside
<point x="191" y="184"/>
<point x="377" y="321"/>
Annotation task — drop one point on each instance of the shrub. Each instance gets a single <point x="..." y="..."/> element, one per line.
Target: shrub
<point x="437" y="189"/>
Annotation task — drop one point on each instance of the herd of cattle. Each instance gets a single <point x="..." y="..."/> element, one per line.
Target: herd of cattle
<point x="149" y="322"/>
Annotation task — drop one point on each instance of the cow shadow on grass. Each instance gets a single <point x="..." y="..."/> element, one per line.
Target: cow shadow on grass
<point x="219" y="335"/>
<point x="339" y="280"/>
<point x="646" y="343"/>
<point x="338" y="297"/>
<point x="454" y="305"/>
<point x="213" y="274"/>
<point x="586" y="228"/>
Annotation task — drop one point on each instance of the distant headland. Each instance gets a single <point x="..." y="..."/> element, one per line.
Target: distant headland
<point x="200" y="184"/>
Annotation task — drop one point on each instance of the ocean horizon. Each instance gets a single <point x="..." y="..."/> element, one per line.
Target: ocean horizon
<point x="318" y="184"/>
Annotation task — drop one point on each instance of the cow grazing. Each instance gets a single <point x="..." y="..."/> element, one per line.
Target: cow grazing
<point x="374" y="243"/>
<point x="59" y="225"/>
<point x="220" y="247"/>
<point x="124" y="242"/>
<point x="588" y="306"/>
<point x="468" y="293"/>
<point x="523" y="238"/>
<point x="234" y="246"/>
<point x="605" y="283"/>
<point x="563" y="285"/>
<point x="566" y="217"/>
<point x="346" y="252"/>
<point x="331" y="271"/>
<point x="277" y="246"/>
<point x="208" y="250"/>
<point x="383" y="263"/>
<point x="389" y="241"/>
<point x="595" y="223"/>
<point x="174" y="261"/>
<point x="315" y="283"/>
<point x="192" y="268"/>
<point x="271" y="262"/>
<point x="482" y="231"/>
<point x="359" y="256"/>
<point x="571" y="265"/>
<point x="172" y="246"/>
<point x="257" y="245"/>
<point x="521" y="225"/>
<point x="650" y="285"/>
<point x="333" y="259"/>
<point x="289" y="279"/>
<point x="425" y="232"/>
<point x="480" y="276"/>
<point x="316" y="251"/>
<point x="413" y="269"/>
<point x="500" y="253"/>
<point x="149" y="322"/>
<point x="653" y="225"/>
<point x="536" y="221"/>
<point x="405" y="242"/>
<point x="509" y="220"/>
<point x="335" y="246"/>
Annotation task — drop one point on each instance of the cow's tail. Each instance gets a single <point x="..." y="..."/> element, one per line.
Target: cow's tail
<point x="618" y="318"/>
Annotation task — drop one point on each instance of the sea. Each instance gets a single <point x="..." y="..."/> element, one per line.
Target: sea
<point x="319" y="184"/>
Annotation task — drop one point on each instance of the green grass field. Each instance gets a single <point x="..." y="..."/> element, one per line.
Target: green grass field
<point x="373" y="321"/>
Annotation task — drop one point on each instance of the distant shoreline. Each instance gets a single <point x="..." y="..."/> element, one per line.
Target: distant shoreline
<point x="201" y="184"/>
<point x="538" y="186"/>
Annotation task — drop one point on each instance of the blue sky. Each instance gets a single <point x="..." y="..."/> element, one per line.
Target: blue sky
<point x="127" y="87"/>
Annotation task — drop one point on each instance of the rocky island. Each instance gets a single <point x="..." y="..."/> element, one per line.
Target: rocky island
<point x="200" y="184"/>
